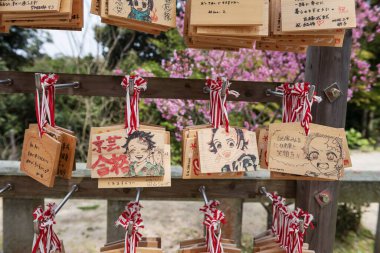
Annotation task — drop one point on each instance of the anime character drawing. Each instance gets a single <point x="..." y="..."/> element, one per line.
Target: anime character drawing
<point x="141" y="10"/>
<point x="229" y="150"/>
<point x="325" y="154"/>
<point x="145" y="158"/>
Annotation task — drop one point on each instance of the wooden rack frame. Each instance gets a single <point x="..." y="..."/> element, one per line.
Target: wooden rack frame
<point x="324" y="66"/>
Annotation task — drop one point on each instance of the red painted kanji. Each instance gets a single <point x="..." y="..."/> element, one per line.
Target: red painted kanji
<point x="111" y="143"/>
<point x="98" y="143"/>
<point x="114" y="164"/>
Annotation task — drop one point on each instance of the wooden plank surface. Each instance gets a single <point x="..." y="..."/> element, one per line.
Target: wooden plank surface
<point x="26" y="187"/>
<point x="109" y="86"/>
<point x="18" y="238"/>
<point x="317" y="15"/>
<point x="361" y="186"/>
<point x="324" y="66"/>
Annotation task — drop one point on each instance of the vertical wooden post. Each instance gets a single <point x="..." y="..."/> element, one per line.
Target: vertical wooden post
<point x="377" y="237"/>
<point x="18" y="229"/>
<point x="324" y="66"/>
<point x="114" y="209"/>
<point x="233" y="209"/>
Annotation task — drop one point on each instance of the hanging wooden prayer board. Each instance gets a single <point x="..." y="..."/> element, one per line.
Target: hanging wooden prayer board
<point x="162" y="12"/>
<point x="299" y="15"/>
<point x="227" y="13"/>
<point x="190" y="158"/>
<point x="16" y="6"/>
<point x="227" y="152"/>
<point x="67" y="156"/>
<point x="116" y="154"/>
<point x="40" y="156"/>
<point x="262" y="145"/>
<point x="320" y="154"/>
<point x="134" y="182"/>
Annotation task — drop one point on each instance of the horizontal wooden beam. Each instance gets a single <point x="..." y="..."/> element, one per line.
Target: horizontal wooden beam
<point x="168" y="88"/>
<point x="26" y="187"/>
<point x="356" y="186"/>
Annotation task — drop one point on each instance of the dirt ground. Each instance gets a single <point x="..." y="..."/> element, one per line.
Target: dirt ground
<point x="81" y="224"/>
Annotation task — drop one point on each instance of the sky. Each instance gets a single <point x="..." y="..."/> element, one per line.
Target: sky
<point x="74" y="43"/>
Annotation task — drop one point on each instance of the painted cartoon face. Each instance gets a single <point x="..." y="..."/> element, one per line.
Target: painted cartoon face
<point x="324" y="154"/>
<point x="138" y="150"/>
<point x="140" y="5"/>
<point x="226" y="144"/>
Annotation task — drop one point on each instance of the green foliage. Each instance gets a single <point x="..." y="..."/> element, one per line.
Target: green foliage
<point x="64" y="64"/>
<point x="20" y="47"/>
<point x="357" y="141"/>
<point x="348" y="220"/>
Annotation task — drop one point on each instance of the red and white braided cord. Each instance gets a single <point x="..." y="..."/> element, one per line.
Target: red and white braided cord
<point x="286" y="226"/>
<point x="296" y="104"/>
<point x="47" y="240"/>
<point x="131" y="220"/>
<point x="45" y="109"/>
<point x="131" y="113"/>
<point x="212" y="221"/>
<point x="218" y="103"/>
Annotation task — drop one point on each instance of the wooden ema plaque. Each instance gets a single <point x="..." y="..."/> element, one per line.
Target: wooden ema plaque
<point x="145" y="242"/>
<point x="273" y="46"/>
<point x="69" y="21"/>
<point x="134" y="182"/>
<point x="40" y="157"/>
<point x="190" y="160"/>
<point x="101" y="8"/>
<point x="222" y="151"/>
<point x="321" y="154"/>
<point x="116" y="154"/>
<point x="161" y="12"/>
<point x="262" y="145"/>
<point x="17" y="6"/>
<point x="226" y="13"/>
<point x="299" y="15"/>
<point x="67" y="156"/>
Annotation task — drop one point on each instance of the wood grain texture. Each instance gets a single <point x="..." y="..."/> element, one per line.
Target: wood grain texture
<point x="26" y="187"/>
<point x="114" y="210"/>
<point x="325" y="66"/>
<point x="309" y="15"/>
<point x="233" y="13"/>
<point x="20" y="6"/>
<point x="18" y="238"/>
<point x="169" y="88"/>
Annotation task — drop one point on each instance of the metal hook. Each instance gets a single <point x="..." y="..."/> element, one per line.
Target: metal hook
<point x="7" y="187"/>
<point x="224" y="87"/>
<point x="74" y="188"/>
<point x="37" y="78"/>
<point x="59" y="86"/>
<point x="74" y="85"/>
<point x="138" y="194"/>
<point x="270" y="92"/>
<point x="202" y="190"/>
<point x="131" y="86"/>
<point x="6" y="82"/>
<point x="263" y="191"/>
<point x="311" y="93"/>
<point x="302" y="226"/>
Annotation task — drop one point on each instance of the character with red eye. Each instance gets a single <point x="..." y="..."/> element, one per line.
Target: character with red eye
<point x="229" y="149"/>
<point x="140" y="10"/>
<point x="325" y="154"/>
